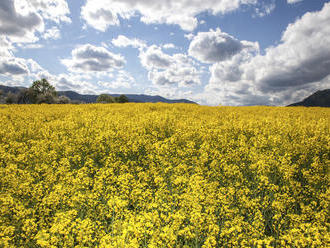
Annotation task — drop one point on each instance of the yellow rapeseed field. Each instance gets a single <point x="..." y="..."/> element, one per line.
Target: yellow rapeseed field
<point x="159" y="175"/>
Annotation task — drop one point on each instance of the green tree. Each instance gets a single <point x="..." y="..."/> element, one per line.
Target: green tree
<point x="42" y="92"/>
<point x="105" y="98"/>
<point x="121" y="99"/>
<point x="43" y="86"/>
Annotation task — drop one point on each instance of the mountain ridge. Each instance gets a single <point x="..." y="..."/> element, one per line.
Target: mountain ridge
<point x="320" y="98"/>
<point x="90" y="98"/>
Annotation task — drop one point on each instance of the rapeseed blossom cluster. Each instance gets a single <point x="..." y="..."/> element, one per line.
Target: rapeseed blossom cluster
<point x="159" y="175"/>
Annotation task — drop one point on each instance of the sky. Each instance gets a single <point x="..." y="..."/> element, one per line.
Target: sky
<point x="224" y="52"/>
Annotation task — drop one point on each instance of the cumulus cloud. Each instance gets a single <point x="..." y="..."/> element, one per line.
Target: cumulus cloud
<point x="155" y="58"/>
<point x="21" y="72"/>
<point x="17" y="24"/>
<point x="21" y="24"/>
<point x="5" y="47"/>
<point x="54" y="10"/>
<point x="302" y="57"/>
<point x="21" y="20"/>
<point x="102" y="14"/>
<point x="121" y="80"/>
<point x="165" y="69"/>
<point x="13" y="67"/>
<point x="215" y="46"/>
<point x="89" y="58"/>
<point x="9" y="64"/>
<point x="182" y="76"/>
<point x="296" y="67"/>
<point x="123" y="41"/>
<point x="65" y="82"/>
<point x="227" y="84"/>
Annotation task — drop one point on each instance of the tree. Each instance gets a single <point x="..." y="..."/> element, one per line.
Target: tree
<point x="105" y="98"/>
<point x="63" y="100"/>
<point x="11" y="98"/>
<point x="43" y="87"/>
<point x="42" y="92"/>
<point x="25" y="96"/>
<point x="122" y="99"/>
<point x="2" y="98"/>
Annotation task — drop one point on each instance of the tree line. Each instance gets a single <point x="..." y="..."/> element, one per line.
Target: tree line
<point x="41" y="91"/>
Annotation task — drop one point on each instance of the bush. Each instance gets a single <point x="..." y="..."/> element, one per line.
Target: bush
<point x="105" y="98"/>
<point x="26" y="96"/>
<point x="46" y="98"/>
<point x="11" y="98"/>
<point x="63" y="100"/>
<point x="121" y="99"/>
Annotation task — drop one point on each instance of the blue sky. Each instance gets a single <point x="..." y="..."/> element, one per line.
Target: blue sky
<point x="229" y="52"/>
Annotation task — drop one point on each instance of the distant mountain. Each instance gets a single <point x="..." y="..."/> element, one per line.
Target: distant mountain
<point x="318" y="99"/>
<point x="74" y="96"/>
<point x="131" y="97"/>
<point x="6" y="89"/>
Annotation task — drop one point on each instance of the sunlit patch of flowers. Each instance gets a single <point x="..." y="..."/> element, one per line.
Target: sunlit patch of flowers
<point x="158" y="175"/>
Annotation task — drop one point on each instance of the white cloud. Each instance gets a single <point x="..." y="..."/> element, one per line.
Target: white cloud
<point x="215" y="46"/>
<point x="265" y="8"/>
<point x="54" y="10"/>
<point x="227" y="85"/>
<point x="169" y="46"/>
<point x="121" y="80"/>
<point x="19" y="24"/>
<point x="165" y="69"/>
<point x="102" y="14"/>
<point x="170" y="92"/>
<point x="21" y="72"/>
<point x="30" y="46"/>
<point x="189" y="36"/>
<point x="154" y="58"/>
<point x="174" y="75"/>
<point x="13" y="66"/>
<point x="66" y="82"/>
<point x="23" y="20"/>
<point x="84" y="83"/>
<point x="52" y="33"/>
<point x="293" y="69"/>
<point x="89" y="58"/>
<point x="123" y="41"/>
<point x="293" y="1"/>
<point x="6" y="47"/>
<point x="10" y="65"/>
<point x="302" y="57"/>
